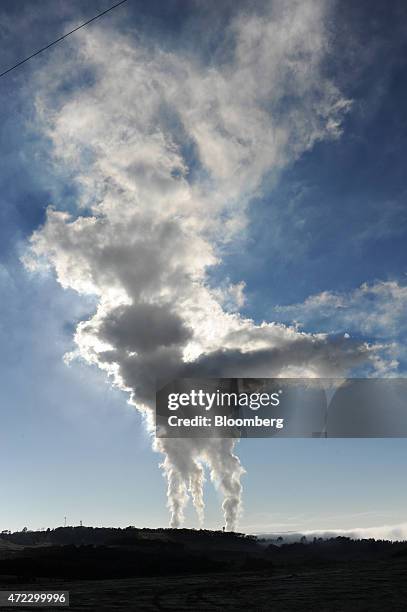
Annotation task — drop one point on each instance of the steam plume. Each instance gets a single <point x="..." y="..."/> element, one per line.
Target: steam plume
<point x="167" y="152"/>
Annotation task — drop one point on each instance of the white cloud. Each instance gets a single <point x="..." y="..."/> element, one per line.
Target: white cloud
<point x="156" y="218"/>
<point x="377" y="309"/>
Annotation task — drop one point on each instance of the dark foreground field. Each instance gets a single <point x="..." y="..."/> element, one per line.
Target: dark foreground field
<point x="373" y="587"/>
<point x="200" y="570"/>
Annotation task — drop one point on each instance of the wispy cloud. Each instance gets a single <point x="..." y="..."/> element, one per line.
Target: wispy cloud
<point x="376" y="309"/>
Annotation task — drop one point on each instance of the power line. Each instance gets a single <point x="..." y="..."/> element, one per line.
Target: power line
<point x="62" y="38"/>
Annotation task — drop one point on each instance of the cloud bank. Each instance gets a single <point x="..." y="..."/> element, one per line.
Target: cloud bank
<point x="167" y="151"/>
<point x="394" y="533"/>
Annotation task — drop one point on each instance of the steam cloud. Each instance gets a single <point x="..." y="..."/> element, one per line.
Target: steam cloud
<point x="167" y="152"/>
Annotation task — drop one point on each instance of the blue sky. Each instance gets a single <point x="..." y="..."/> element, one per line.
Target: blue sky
<point x="328" y="221"/>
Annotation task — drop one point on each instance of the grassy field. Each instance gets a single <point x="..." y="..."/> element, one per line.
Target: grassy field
<point x="367" y="587"/>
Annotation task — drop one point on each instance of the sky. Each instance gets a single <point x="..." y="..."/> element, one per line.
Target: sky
<point x="231" y="177"/>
